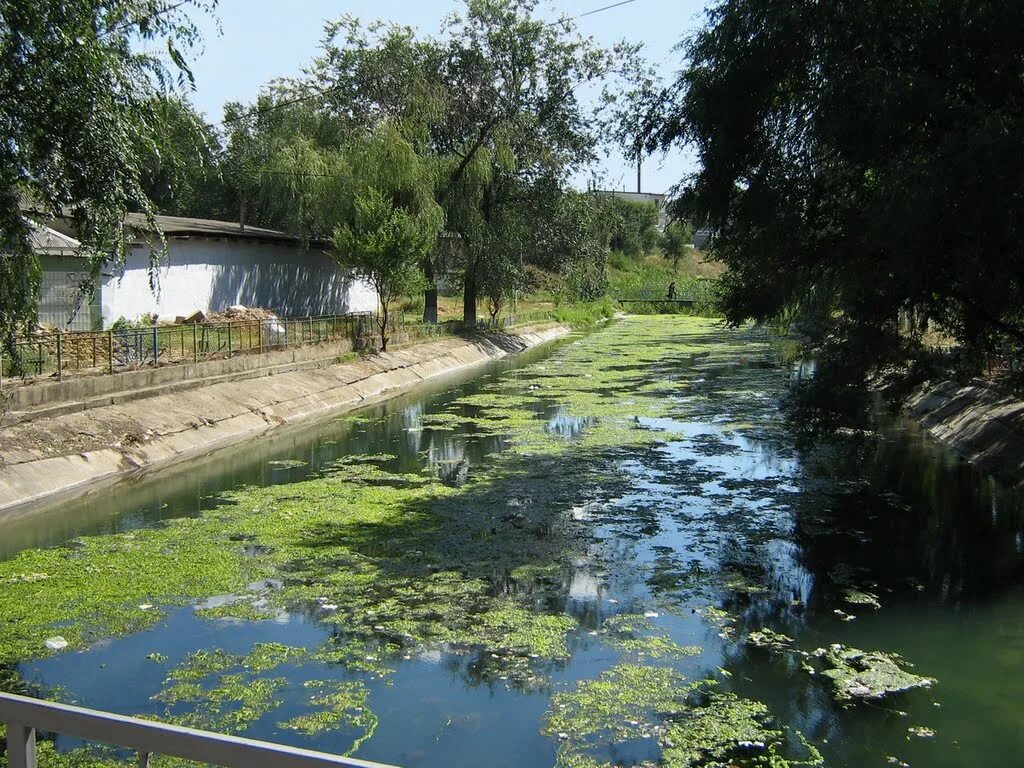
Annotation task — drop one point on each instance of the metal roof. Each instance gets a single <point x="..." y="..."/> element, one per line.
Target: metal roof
<point x="50" y="242"/>
<point x="183" y="226"/>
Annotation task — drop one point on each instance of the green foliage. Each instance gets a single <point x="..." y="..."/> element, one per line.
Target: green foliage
<point x="676" y="241"/>
<point x="76" y="107"/>
<point x="493" y="102"/>
<point x="634" y="227"/>
<point x="649" y="279"/>
<point x="180" y="163"/>
<point x="859" y="175"/>
<point x="394" y="221"/>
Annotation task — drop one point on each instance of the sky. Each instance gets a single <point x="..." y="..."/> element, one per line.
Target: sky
<point x="260" y="40"/>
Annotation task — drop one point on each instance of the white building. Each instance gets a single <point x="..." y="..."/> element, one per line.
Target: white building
<point x="209" y="265"/>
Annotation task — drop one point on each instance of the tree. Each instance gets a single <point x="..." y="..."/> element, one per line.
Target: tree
<point x="493" y="99"/>
<point x="676" y="241"/>
<point x="512" y="81"/>
<point x="384" y="244"/>
<point x="858" y="160"/>
<point x="394" y="221"/>
<point x="76" y="101"/>
<point x="180" y="163"/>
<point x="634" y="227"/>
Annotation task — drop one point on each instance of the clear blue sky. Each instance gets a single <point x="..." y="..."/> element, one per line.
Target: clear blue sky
<point x="265" y="39"/>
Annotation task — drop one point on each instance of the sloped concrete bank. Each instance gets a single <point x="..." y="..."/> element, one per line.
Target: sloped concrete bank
<point x="978" y="421"/>
<point x="68" y="453"/>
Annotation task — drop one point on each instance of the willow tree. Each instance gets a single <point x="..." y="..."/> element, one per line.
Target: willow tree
<point x="857" y="160"/>
<point x="76" y="103"/>
<point x="393" y="221"/>
<point x="493" y="98"/>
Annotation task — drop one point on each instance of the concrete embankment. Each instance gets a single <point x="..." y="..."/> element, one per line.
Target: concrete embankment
<point x="978" y="421"/>
<point x="64" y="448"/>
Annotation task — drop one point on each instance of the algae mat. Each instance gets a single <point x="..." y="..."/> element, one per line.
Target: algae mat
<point x="566" y="563"/>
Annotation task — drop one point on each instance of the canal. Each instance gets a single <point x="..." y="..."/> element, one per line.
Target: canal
<point x="603" y="552"/>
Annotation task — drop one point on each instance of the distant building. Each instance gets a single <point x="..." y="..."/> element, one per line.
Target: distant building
<point x="209" y="265"/>
<point x="63" y="265"/>
<point x="657" y="199"/>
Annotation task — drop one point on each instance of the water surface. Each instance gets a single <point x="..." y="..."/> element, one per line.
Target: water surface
<point x="637" y="475"/>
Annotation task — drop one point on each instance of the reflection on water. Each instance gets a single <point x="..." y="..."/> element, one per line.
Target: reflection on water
<point x="716" y="531"/>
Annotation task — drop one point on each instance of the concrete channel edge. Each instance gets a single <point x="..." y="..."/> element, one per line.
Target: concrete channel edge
<point x="67" y="454"/>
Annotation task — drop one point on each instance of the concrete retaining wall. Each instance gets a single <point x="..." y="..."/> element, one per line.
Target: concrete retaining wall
<point x="82" y="390"/>
<point x="67" y="453"/>
<point x="976" y="420"/>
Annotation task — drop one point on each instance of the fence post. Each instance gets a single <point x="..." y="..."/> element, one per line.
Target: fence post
<point x="110" y="351"/>
<point x="156" y="351"/>
<point x="21" y="746"/>
<point x="261" y="336"/>
<point x="60" y="355"/>
<point x="229" y="339"/>
<point x="310" y="330"/>
<point x="195" y="343"/>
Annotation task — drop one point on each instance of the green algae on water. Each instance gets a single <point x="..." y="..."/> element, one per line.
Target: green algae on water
<point x="635" y="635"/>
<point x="693" y="724"/>
<point x="397" y="563"/>
<point x="866" y="675"/>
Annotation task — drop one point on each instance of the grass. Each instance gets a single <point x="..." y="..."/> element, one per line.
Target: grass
<point x="650" y="276"/>
<point x="645" y="276"/>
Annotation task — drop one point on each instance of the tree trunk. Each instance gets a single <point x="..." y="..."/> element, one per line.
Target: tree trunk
<point x="469" y="298"/>
<point x="429" y="293"/>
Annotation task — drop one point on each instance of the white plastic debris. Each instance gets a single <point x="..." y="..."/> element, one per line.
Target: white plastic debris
<point x="56" y="643"/>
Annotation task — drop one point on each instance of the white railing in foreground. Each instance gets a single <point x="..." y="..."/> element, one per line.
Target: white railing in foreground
<point x="23" y="716"/>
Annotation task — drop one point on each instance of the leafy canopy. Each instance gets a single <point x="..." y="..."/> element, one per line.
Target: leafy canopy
<point x="859" y="160"/>
<point x="76" y="106"/>
<point x="393" y="221"/>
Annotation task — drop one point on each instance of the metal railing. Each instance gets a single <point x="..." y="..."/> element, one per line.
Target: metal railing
<point x="59" y="353"/>
<point x="24" y="716"/>
<point x="118" y="349"/>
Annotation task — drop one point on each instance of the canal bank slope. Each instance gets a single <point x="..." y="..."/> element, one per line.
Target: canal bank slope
<point x="978" y="421"/>
<point x="65" y="454"/>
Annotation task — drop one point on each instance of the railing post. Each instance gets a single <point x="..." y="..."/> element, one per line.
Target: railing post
<point x="60" y="355"/>
<point x="21" y="746"/>
<point x="195" y="343"/>
<point x="110" y="351"/>
<point x="229" y="339"/>
<point x="261" y="336"/>
<point x="156" y="351"/>
<point x="310" y="330"/>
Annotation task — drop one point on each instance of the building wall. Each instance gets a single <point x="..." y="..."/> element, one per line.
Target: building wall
<point x="209" y="275"/>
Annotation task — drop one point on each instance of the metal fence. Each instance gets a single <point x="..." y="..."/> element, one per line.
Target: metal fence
<point x="23" y="716"/>
<point x="124" y="348"/>
<point x="56" y="354"/>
